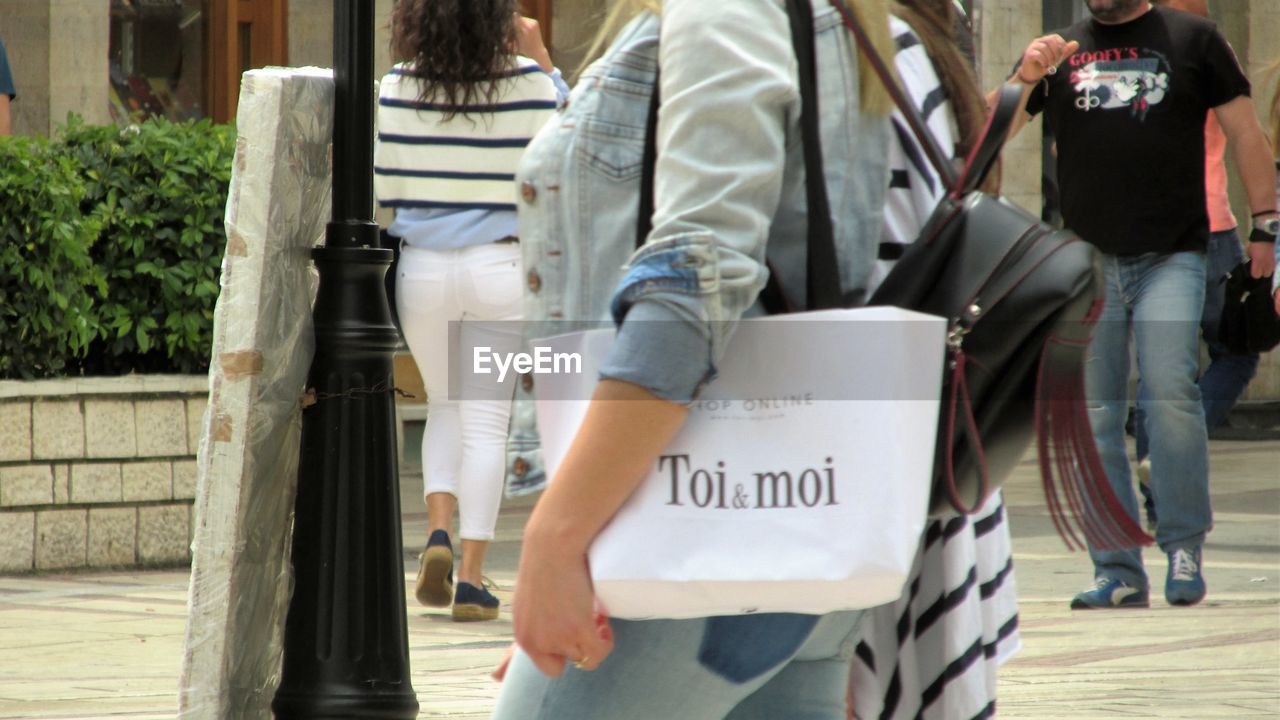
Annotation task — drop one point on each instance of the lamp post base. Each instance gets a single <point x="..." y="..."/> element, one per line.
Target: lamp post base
<point x="346" y="649"/>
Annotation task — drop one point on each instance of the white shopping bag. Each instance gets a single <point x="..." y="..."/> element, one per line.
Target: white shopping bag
<point x="800" y="482"/>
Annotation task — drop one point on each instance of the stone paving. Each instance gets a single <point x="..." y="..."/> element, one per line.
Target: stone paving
<point x="109" y="645"/>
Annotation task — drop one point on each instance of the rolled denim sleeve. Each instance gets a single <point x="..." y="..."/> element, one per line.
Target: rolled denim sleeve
<point x="729" y="103"/>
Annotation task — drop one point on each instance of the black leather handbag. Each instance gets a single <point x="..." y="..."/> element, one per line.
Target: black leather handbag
<point x="1249" y="323"/>
<point x="1021" y="298"/>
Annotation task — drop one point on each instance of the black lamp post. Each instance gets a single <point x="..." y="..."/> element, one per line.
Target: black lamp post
<point x="346" y="649"/>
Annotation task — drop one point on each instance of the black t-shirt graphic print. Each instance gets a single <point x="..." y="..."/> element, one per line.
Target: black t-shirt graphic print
<point x="1131" y="80"/>
<point x="1128" y="111"/>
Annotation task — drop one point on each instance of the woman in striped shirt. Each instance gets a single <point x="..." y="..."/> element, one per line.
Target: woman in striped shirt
<point x="934" y="653"/>
<point x="476" y="83"/>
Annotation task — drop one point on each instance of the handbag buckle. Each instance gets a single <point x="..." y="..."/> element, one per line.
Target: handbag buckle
<point x="962" y="325"/>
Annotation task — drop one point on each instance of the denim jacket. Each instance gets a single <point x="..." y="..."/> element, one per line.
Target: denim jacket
<point x="729" y="181"/>
<point x="730" y="178"/>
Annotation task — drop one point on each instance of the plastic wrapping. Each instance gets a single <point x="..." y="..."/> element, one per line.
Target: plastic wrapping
<point x="277" y="208"/>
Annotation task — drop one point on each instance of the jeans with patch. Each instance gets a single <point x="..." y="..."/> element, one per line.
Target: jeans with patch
<point x="1158" y="297"/>
<point x="747" y="667"/>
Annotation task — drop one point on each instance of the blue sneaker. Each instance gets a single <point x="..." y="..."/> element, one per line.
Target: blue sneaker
<point x="1184" y="585"/>
<point x="474" y="603"/>
<point x="1110" y="593"/>
<point x="434" y="587"/>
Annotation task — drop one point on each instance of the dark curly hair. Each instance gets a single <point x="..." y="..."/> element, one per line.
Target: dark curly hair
<point x="458" y="49"/>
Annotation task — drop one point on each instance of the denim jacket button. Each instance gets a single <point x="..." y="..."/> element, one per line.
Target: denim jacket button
<point x="526" y="382"/>
<point x="528" y="191"/>
<point x="534" y="280"/>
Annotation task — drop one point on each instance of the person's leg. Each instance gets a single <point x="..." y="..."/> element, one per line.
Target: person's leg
<point x="426" y="302"/>
<point x="701" y="668"/>
<point x="1140" y="442"/>
<point x="815" y="684"/>
<point x="484" y="444"/>
<point x="426" y="299"/>
<point x="1166" y="329"/>
<point x="491" y="296"/>
<point x="1227" y="376"/>
<point x="1106" y="381"/>
<point x="1167" y="317"/>
<point x="1141" y="450"/>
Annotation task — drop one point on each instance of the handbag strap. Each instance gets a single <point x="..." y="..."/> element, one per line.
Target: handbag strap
<point x="983" y="156"/>
<point x="822" y="277"/>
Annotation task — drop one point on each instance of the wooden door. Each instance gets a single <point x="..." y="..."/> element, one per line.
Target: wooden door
<point x="243" y="35"/>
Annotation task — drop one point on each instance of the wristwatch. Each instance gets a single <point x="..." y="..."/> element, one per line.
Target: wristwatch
<point x="1265" y="229"/>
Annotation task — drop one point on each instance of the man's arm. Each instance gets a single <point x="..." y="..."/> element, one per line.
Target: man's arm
<point x="1041" y="54"/>
<point x="5" y="126"/>
<point x="1252" y="153"/>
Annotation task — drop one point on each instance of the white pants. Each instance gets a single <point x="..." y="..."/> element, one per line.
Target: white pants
<point x="444" y="299"/>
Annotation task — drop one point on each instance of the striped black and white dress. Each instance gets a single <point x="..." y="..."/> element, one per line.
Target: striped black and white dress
<point x="935" y="652"/>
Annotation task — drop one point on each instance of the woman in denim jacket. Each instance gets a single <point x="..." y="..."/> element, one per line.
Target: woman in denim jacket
<point x="729" y="178"/>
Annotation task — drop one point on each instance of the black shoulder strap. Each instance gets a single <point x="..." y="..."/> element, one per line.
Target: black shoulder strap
<point x="822" y="275"/>
<point x="644" y="217"/>
<point x="991" y="141"/>
<point x="985" y="151"/>
<point x="822" y="286"/>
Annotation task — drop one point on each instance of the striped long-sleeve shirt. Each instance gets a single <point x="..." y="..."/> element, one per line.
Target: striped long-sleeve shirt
<point x="934" y="653"/>
<point x="433" y="169"/>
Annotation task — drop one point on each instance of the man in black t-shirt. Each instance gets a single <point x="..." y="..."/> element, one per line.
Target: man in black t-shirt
<point x="1126" y="94"/>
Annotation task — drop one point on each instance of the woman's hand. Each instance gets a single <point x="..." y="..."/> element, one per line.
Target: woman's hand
<point x="500" y="673"/>
<point x="1277" y="299"/>
<point x="557" y="619"/>
<point x="555" y="611"/>
<point x="529" y="42"/>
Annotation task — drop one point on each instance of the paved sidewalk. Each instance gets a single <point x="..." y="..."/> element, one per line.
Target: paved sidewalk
<point x="109" y="645"/>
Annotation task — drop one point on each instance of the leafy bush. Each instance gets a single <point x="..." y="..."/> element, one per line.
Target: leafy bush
<point x="110" y="245"/>
<point x="46" y="275"/>
<point x="158" y="190"/>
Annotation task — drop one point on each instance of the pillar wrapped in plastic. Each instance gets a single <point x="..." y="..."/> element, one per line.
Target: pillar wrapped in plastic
<point x="277" y="208"/>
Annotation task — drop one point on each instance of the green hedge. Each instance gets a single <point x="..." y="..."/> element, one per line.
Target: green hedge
<point x="124" y="233"/>
<point x="47" y="278"/>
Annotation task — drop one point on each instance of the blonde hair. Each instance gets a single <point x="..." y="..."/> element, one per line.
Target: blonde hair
<point x="872" y="14"/>
<point x="874" y="18"/>
<point x="617" y="16"/>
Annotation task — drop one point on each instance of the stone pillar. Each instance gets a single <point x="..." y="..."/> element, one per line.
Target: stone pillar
<point x="26" y="37"/>
<point x="58" y="51"/>
<point x="1005" y="27"/>
<point x="79" y="55"/>
<point x="311" y="34"/>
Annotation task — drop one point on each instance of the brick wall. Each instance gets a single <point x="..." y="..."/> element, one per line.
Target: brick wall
<point x="98" y="472"/>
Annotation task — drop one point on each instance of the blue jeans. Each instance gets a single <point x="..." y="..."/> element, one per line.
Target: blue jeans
<point x="748" y="667"/>
<point x="1227" y="376"/>
<point x="1158" y="297"/>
